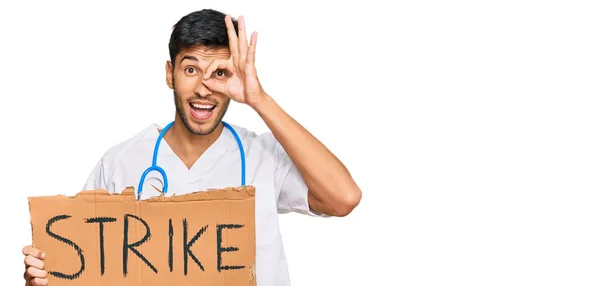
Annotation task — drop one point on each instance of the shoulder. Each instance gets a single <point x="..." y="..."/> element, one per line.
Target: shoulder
<point x="265" y="142"/>
<point x="245" y="134"/>
<point x="139" y="141"/>
<point x="102" y="174"/>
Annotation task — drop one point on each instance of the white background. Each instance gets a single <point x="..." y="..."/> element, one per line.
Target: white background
<point x="472" y="127"/>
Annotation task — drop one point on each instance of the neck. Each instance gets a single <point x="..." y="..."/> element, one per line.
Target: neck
<point x="188" y="146"/>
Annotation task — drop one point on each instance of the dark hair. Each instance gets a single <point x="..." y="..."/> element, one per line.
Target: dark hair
<point x="205" y="27"/>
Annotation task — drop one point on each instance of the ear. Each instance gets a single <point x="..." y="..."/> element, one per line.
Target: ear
<point x="169" y="74"/>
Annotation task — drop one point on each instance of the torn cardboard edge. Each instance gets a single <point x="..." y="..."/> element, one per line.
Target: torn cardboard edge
<point x="129" y="194"/>
<point x="67" y="205"/>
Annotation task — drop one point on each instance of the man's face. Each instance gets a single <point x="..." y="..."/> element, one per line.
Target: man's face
<point x="200" y="109"/>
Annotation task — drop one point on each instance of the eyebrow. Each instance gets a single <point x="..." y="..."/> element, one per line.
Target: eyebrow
<point x="188" y="58"/>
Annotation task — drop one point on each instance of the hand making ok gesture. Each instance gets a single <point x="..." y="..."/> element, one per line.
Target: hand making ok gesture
<point x="241" y="83"/>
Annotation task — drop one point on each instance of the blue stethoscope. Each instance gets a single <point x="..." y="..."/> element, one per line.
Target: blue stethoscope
<point x="155" y="167"/>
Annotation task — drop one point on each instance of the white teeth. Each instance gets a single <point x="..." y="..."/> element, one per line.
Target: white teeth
<point x="202" y="106"/>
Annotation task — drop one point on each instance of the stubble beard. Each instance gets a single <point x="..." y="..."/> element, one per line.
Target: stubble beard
<point x="179" y="107"/>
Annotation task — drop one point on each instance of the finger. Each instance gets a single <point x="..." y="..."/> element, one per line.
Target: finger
<point x="31" y="261"/>
<point x="33" y="272"/>
<point x="30" y="250"/>
<point x="216" y="85"/>
<point x="252" y="49"/>
<point x="243" y="42"/>
<point x="233" y="43"/>
<point x="218" y="64"/>
<point x="39" y="282"/>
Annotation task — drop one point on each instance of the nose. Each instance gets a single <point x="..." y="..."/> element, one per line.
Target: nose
<point x="202" y="90"/>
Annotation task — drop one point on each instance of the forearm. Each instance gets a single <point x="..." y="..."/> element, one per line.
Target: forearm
<point x="331" y="187"/>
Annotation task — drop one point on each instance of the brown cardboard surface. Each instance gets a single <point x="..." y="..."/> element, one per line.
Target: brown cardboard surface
<point x="144" y="242"/>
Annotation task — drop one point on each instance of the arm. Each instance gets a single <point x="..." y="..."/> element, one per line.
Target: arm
<point x="332" y="190"/>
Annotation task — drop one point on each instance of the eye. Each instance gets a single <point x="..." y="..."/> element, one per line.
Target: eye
<point x="190" y="70"/>
<point x="220" y="73"/>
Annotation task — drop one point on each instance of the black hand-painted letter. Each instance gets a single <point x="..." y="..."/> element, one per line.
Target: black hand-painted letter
<point x="220" y="249"/>
<point x="171" y="245"/>
<point x="101" y="221"/>
<point x="70" y="243"/>
<point x="187" y="245"/>
<point x="127" y="246"/>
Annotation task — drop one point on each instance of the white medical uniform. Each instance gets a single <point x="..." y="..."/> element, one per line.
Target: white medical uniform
<point x="279" y="186"/>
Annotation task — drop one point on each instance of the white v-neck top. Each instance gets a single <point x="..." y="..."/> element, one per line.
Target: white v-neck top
<point x="279" y="186"/>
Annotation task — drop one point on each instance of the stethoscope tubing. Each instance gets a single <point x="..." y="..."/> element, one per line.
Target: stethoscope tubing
<point x="155" y="167"/>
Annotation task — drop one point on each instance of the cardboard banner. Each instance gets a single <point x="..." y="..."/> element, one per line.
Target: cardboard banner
<point x="95" y="238"/>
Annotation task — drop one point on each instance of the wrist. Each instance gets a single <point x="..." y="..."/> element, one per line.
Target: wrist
<point x="264" y="105"/>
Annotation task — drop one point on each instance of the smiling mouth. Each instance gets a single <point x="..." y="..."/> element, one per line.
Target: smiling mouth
<point x="202" y="111"/>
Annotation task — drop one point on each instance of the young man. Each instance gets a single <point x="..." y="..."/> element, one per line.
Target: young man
<point x="210" y="64"/>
